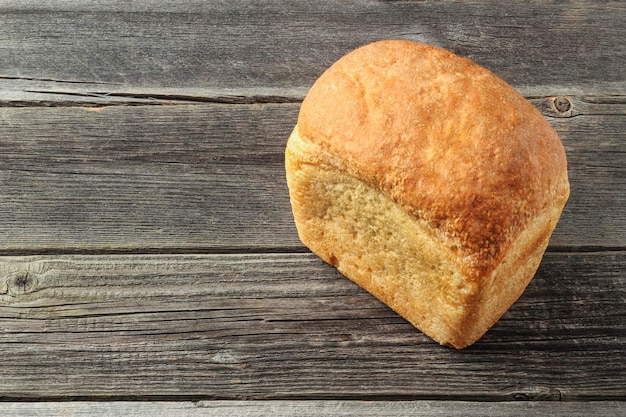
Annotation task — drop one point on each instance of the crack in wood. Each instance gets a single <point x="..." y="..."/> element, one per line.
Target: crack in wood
<point x="560" y="106"/>
<point x="106" y="99"/>
<point x="8" y="77"/>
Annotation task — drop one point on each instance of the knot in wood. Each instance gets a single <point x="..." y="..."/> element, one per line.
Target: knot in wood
<point x="562" y="104"/>
<point x="20" y="282"/>
<point x="537" y="394"/>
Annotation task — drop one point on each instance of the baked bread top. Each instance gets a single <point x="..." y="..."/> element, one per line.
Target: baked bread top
<point x="444" y="138"/>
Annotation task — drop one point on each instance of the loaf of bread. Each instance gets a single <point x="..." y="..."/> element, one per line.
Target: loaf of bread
<point x="429" y="182"/>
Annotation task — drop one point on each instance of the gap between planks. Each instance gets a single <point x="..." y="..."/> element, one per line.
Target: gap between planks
<point x="252" y="250"/>
<point x="555" y="105"/>
<point x="313" y="408"/>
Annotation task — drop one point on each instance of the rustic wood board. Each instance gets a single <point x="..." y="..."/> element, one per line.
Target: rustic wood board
<point x="147" y="250"/>
<point x="313" y="408"/>
<point x="211" y="177"/>
<point x="279" y="326"/>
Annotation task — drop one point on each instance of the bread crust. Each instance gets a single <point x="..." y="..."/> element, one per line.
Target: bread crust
<point x="471" y="177"/>
<point x="445" y="138"/>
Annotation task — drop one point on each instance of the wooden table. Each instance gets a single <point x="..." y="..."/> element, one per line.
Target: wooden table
<point x="149" y="261"/>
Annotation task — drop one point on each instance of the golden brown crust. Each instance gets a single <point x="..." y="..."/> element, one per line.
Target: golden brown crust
<point x="446" y="139"/>
<point x="428" y="181"/>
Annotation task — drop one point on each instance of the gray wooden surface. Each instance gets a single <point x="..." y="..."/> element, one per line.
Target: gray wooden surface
<point x="331" y="408"/>
<point x="147" y="249"/>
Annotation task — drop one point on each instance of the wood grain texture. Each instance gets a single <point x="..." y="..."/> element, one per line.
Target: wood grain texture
<point x="211" y="177"/>
<point x="313" y="408"/>
<point x="141" y="171"/>
<point x="288" y="326"/>
<point x="278" y="44"/>
<point x="182" y="177"/>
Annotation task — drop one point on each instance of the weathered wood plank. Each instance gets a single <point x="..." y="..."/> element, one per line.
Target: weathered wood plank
<point x="288" y="326"/>
<point x="314" y="408"/>
<point x="144" y="177"/>
<point x="280" y="44"/>
<point x="211" y="177"/>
